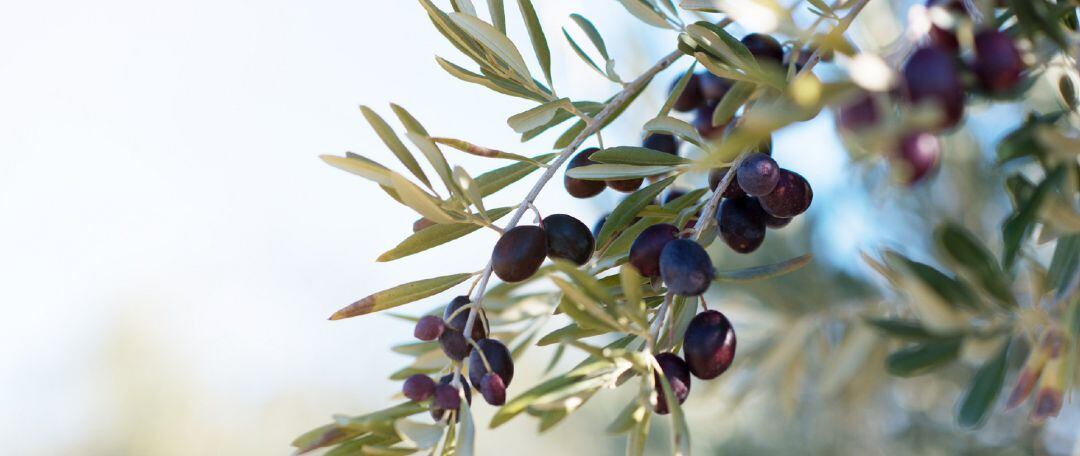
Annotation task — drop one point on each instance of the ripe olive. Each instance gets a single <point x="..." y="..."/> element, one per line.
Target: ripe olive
<point x="447" y="397"/>
<point x="625" y="185"/>
<point x="579" y="188"/>
<point x="733" y="190"/>
<point x="457" y="323"/>
<point x="940" y="37"/>
<point x="493" y="389"/>
<point x="418" y="387"/>
<point x="437" y="412"/>
<point x="519" y="253"/>
<point x="568" y="238"/>
<point x="686" y="268"/>
<point x="741" y="223"/>
<point x="997" y="64"/>
<point x="428" y="328"/>
<point x="764" y="48"/>
<point x="646" y="249"/>
<point x="758" y="174"/>
<point x="713" y="88"/>
<point x="709" y="344"/>
<point x="932" y="76"/>
<point x="919" y="153"/>
<point x="497" y="355"/>
<point x="678" y="377"/>
<point x="662" y="142"/>
<point x="774" y="222"/>
<point x="691" y="94"/>
<point x="791" y="197"/>
<point x="857" y="114"/>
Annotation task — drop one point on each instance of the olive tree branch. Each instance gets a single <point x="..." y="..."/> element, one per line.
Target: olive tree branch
<point x="613" y="107"/>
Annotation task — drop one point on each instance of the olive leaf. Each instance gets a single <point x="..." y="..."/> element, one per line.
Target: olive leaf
<point x="590" y="369"/>
<point x="419" y="200"/>
<point x="923" y="357"/>
<point x="494" y="41"/>
<point x="536" y="36"/>
<point x="497" y="179"/>
<point x="582" y="308"/>
<point x="386" y="134"/>
<point x="625" y="212"/>
<point x="533" y="118"/>
<point x="673" y="126"/>
<point x="638" y="156"/>
<point x="436" y="235"/>
<point x="472" y="193"/>
<point x="765" y="272"/>
<point x="608" y="172"/>
<point x="646" y="12"/>
<point x="677" y="91"/>
<point x="572" y="331"/>
<point x="401" y="294"/>
<point x="498" y="14"/>
<point x="481" y="151"/>
<point x="1064" y="269"/>
<point x="466" y="437"/>
<point x="503" y="87"/>
<point x="984" y="390"/>
<point x="362" y="167"/>
<point x="972" y="256"/>
<point x="1021" y="223"/>
<point x="904" y="329"/>
<point x="731" y="102"/>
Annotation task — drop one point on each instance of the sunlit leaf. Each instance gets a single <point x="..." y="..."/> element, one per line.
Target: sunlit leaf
<point x="536" y="35"/>
<point x="984" y="389"/>
<point x="533" y="118"/>
<point x="497" y="179"/>
<point x="609" y="172"/>
<point x="401" y="294"/>
<point x="764" y="272"/>
<point x="495" y="41"/>
<point x="436" y="235"/>
<point x="673" y="126"/>
<point x="639" y="156"/>
<point x="627" y="210"/>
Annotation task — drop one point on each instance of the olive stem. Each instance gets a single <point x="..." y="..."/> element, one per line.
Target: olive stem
<point x="615" y="106"/>
<point x="476" y="348"/>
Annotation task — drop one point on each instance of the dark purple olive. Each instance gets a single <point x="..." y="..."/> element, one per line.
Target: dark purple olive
<point x="858" y="114"/>
<point x="997" y="63"/>
<point x="791" y="197"/>
<point x="625" y="185"/>
<point x="428" y="328"/>
<point x="452" y="340"/>
<point x="418" y="387"/>
<point x="437" y="412"/>
<point x="703" y="121"/>
<point x="733" y="190"/>
<point x="497" y="355"/>
<point x="568" y="238"/>
<point x="493" y="389"/>
<point x="940" y="37"/>
<point x="713" y="88"/>
<point x="645" y="251"/>
<point x="774" y="222"/>
<point x="579" y="188"/>
<point x="673" y="195"/>
<point x="678" y="377"/>
<point x="764" y="48"/>
<point x="758" y="174"/>
<point x="519" y="253"/>
<point x="447" y="397"/>
<point x="691" y="94"/>
<point x="686" y="268"/>
<point x="919" y="152"/>
<point x="741" y="224"/>
<point x="932" y="77"/>
<point x="662" y="142"/>
<point x="709" y="345"/>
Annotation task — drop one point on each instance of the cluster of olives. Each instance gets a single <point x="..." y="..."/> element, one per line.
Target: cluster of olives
<point x="709" y="347"/>
<point x="941" y="73"/>
<point x="490" y="368"/>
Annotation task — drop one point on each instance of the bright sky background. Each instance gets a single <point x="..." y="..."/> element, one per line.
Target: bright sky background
<point x="171" y="246"/>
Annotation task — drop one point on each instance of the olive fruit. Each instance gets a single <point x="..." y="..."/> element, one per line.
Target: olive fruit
<point x="691" y="94"/>
<point x="497" y="355"/>
<point x="519" y="253"/>
<point x="452" y="340"/>
<point x="709" y="344"/>
<point x="733" y="190"/>
<point x="774" y="222"/>
<point x="764" y="48"/>
<point x="646" y="249"/>
<point x="493" y="389"/>
<point x="438" y="411"/>
<point x="678" y="377"/>
<point x="997" y="62"/>
<point x="625" y="185"/>
<point x="919" y="153"/>
<point x="428" y="328"/>
<point x="791" y="197"/>
<point x="418" y="387"/>
<point x="931" y="76"/>
<point x="579" y="188"/>
<point x="447" y="397"/>
<point x="741" y="223"/>
<point x="568" y="238"/>
<point x="758" y="174"/>
<point x="703" y="121"/>
<point x="940" y="37"/>
<point x="686" y="268"/>
<point x="662" y="142"/>
<point x="673" y="195"/>
<point x="857" y="114"/>
<point x="713" y="88"/>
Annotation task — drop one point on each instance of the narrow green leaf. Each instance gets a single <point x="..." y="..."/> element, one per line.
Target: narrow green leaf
<point x="732" y="101"/>
<point x="569" y="135"/>
<point x="607" y="172"/>
<point x="903" y="329"/>
<point x="677" y="127"/>
<point x="512" y="89"/>
<point x="495" y="41"/>
<point x="585" y="281"/>
<point x="481" y="151"/>
<point x="472" y="193"/>
<point x="646" y="13"/>
<point x="949" y="289"/>
<point x="631" y="415"/>
<point x="435" y="157"/>
<point x="466" y="440"/>
<point x="436" y="235"/>
<point x="640" y="156"/>
<point x="1019" y="226"/>
<point x="1065" y="265"/>
<point x="579" y="304"/>
<point x="497" y="179"/>
<point x="593" y="34"/>
<point x="589" y="108"/>
<point x="984" y="390"/>
<point x="765" y="272"/>
<point x="573" y="331"/>
<point x="636" y="444"/>
<point x="720" y="43"/>
<point x="401" y="294"/>
<point x="463" y="6"/>
<point x="922" y="358"/>
<point x="588" y="369"/>
<point x="971" y="255"/>
<point x="681" y="433"/>
<point x="536" y="117"/>
<point x="498" y="14"/>
<point x="676" y="91"/>
<point x="361" y="167"/>
<point x="386" y="134"/>
<point x="536" y="35"/>
<point x="628" y="209"/>
<point x="419" y="200"/>
<point x="581" y="52"/>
